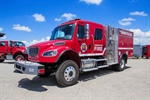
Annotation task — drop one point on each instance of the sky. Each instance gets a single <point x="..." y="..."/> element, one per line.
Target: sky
<point x="32" y="21"/>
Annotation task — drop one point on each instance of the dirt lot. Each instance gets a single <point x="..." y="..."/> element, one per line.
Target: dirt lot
<point x="131" y="84"/>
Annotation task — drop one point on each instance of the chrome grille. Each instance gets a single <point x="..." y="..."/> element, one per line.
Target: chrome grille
<point x="33" y="51"/>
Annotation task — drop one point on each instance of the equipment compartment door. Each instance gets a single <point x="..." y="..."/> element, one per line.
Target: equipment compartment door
<point x="112" y="45"/>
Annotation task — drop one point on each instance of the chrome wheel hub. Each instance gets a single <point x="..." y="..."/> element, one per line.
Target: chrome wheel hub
<point x="122" y="63"/>
<point x="69" y="73"/>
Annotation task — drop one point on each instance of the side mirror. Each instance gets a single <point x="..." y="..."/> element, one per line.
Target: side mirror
<point x="86" y="31"/>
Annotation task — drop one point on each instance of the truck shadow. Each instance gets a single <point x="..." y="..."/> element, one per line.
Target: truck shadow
<point x="97" y="73"/>
<point x="37" y="84"/>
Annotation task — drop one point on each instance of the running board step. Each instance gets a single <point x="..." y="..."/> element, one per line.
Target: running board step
<point x="92" y="69"/>
<point x="101" y="59"/>
<point x="93" y="59"/>
<point x="89" y="69"/>
<point x="103" y="66"/>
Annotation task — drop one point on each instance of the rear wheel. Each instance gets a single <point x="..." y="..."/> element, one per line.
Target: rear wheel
<point x="68" y="73"/>
<point x="19" y="57"/>
<point x="2" y="60"/>
<point x="121" y="66"/>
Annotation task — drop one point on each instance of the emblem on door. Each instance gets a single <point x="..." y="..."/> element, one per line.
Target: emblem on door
<point x="83" y="47"/>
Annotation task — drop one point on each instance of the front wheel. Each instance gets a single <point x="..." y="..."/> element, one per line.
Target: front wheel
<point x="2" y="60"/>
<point x="67" y="73"/>
<point x="19" y="57"/>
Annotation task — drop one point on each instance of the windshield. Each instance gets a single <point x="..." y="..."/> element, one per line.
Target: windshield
<point x="63" y="32"/>
<point x="16" y="43"/>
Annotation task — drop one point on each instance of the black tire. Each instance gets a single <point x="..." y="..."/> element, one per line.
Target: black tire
<point x="113" y="67"/>
<point x="19" y="57"/>
<point x="121" y="66"/>
<point x="2" y="60"/>
<point x="67" y="73"/>
<point x="142" y="56"/>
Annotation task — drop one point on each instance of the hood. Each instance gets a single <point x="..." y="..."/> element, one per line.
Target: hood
<point x="49" y="43"/>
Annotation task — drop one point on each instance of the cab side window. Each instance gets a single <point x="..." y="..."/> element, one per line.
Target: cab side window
<point x="98" y="34"/>
<point x="80" y="33"/>
<point x="11" y="44"/>
<point x="2" y="43"/>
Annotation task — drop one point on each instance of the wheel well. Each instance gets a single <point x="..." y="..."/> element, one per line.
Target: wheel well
<point x="17" y="53"/>
<point x="125" y="57"/>
<point x="69" y="55"/>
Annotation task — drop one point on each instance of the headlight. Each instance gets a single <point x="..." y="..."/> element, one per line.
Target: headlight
<point x="50" y="53"/>
<point x="23" y="51"/>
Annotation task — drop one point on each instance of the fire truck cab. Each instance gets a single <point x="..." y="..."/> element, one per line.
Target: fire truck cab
<point x="78" y="46"/>
<point x="12" y="50"/>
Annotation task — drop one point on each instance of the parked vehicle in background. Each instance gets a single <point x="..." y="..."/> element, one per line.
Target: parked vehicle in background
<point x="12" y="50"/>
<point x="137" y="51"/>
<point x="2" y="34"/>
<point x="146" y="51"/>
<point x="78" y="46"/>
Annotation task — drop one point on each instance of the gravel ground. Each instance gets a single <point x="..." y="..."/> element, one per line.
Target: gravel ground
<point x="131" y="84"/>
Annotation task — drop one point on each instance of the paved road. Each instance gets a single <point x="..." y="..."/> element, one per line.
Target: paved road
<point x="131" y="84"/>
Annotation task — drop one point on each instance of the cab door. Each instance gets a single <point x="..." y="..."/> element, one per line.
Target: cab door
<point x="17" y="46"/>
<point x="10" y="46"/>
<point x="99" y="40"/>
<point x="85" y="45"/>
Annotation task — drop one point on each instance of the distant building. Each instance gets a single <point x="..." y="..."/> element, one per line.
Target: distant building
<point x="137" y="51"/>
<point x="2" y="34"/>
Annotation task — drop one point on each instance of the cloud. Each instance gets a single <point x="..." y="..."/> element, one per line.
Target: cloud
<point x="58" y="19"/>
<point x="1" y="29"/>
<point x="39" y="17"/>
<point x="141" y="37"/>
<point x="21" y="28"/>
<point x="36" y="41"/>
<point x="138" y="13"/>
<point x="47" y="38"/>
<point x="97" y="2"/>
<point x="126" y="21"/>
<point x="67" y="16"/>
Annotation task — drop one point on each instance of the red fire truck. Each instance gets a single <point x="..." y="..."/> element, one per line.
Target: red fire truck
<point x="78" y="46"/>
<point x="12" y="50"/>
<point x="146" y="51"/>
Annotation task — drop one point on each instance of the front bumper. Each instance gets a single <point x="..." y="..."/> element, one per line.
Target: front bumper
<point x="27" y="67"/>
